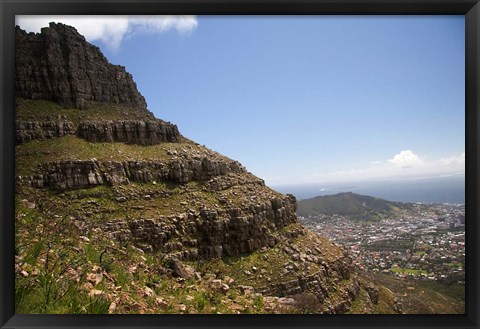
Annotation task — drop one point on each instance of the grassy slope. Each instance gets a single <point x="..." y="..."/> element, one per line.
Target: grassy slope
<point x="43" y="110"/>
<point x="59" y="259"/>
<point x="423" y="297"/>
<point x="59" y="270"/>
<point x="70" y="147"/>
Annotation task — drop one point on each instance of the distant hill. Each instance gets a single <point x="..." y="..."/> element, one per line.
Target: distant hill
<point x="347" y="204"/>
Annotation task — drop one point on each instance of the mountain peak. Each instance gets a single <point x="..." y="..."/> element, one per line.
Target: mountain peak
<point x="58" y="64"/>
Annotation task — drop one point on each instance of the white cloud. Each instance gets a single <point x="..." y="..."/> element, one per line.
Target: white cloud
<point x="111" y="30"/>
<point x="405" y="159"/>
<point x="154" y="24"/>
<point x="453" y="161"/>
<point x="404" y="165"/>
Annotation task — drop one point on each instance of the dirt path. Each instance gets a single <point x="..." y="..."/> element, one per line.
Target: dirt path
<point x="441" y="295"/>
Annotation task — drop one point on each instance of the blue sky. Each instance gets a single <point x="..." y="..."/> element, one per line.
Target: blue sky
<point x="301" y="99"/>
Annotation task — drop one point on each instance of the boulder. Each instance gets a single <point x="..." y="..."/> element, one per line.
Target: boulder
<point x="179" y="269"/>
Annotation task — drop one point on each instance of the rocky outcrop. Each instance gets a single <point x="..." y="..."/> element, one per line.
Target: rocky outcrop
<point x="26" y="131"/>
<point x="338" y="301"/>
<point x="138" y="132"/>
<point x="339" y="269"/>
<point x="58" y="64"/>
<point x="372" y="293"/>
<point x="74" y="174"/>
<point x="132" y="132"/>
<point x="218" y="233"/>
<point x="212" y="233"/>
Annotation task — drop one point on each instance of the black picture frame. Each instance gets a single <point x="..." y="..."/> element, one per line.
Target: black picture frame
<point x="10" y="8"/>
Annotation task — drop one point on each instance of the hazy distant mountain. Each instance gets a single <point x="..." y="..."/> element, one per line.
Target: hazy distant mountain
<point x="347" y="204"/>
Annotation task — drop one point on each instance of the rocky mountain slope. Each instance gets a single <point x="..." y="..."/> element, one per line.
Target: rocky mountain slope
<point x="117" y="212"/>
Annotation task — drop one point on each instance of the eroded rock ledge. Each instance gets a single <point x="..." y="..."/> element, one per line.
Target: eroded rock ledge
<point x="132" y="132"/>
<point x="74" y="174"/>
<point x="26" y="131"/>
<point x="212" y="233"/>
<point x="138" y="132"/>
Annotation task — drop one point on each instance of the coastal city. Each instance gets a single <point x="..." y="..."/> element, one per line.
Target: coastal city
<point x="425" y="242"/>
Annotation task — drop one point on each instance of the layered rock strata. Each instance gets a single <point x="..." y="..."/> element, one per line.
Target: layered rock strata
<point x="138" y="132"/>
<point x="212" y="233"/>
<point x="26" y="131"/>
<point x="75" y="174"/>
<point x="316" y="282"/>
<point x="132" y="132"/>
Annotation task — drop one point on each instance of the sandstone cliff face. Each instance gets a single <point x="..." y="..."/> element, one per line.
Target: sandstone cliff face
<point x="60" y="65"/>
<point x="26" y="131"/>
<point x="138" y="132"/>
<point x="133" y="132"/>
<point x="211" y="233"/>
<point x="75" y="174"/>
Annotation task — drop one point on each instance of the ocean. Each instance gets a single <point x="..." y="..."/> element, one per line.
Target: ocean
<point x="438" y="190"/>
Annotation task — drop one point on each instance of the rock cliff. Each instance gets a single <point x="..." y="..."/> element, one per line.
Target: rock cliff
<point x="211" y="233"/>
<point x="140" y="132"/>
<point x="134" y="132"/>
<point x="76" y="174"/>
<point x="60" y="65"/>
<point x="26" y="131"/>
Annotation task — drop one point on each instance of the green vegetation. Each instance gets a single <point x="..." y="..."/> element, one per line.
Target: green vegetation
<point x="455" y="264"/>
<point x="408" y="271"/>
<point x="34" y="153"/>
<point x="258" y="269"/>
<point x="59" y="270"/>
<point x="386" y="302"/>
<point x="422" y="296"/>
<point x="390" y="244"/>
<point x="43" y="110"/>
